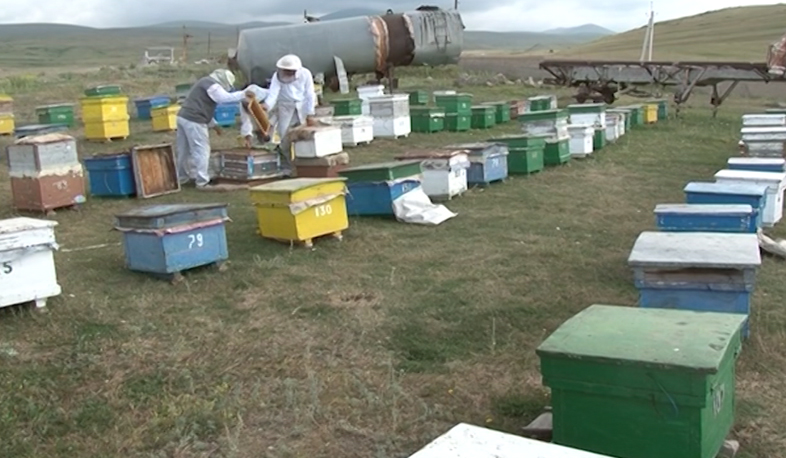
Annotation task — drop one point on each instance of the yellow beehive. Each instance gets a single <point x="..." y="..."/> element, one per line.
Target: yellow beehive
<point x="6" y="124"/>
<point x="103" y="109"/>
<point x="164" y="118"/>
<point x="301" y="209"/>
<point x="107" y="130"/>
<point x="651" y="113"/>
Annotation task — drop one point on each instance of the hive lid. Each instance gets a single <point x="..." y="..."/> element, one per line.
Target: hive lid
<point x="55" y="105"/>
<point x="161" y="210"/>
<point x="663" y="338"/>
<point x="431" y="154"/>
<point x="695" y="250"/>
<point x="469" y="441"/>
<point x="44" y="139"/>
<point x="741" y="189"/>
<point x="474" y="146"/>
<point x="701" y="209"/>
<point x="295" y="184"/>
<point x="381" y="166"/>
<point x="751" y="175"/>
<point x="757" y="161"/>
<point x="21" y="224"/>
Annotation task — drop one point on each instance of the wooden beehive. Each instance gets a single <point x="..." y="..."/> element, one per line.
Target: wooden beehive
<point x="155" y="171"/>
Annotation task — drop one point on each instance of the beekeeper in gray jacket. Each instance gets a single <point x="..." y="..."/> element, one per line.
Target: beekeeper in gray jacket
<point x="195" y="117"/>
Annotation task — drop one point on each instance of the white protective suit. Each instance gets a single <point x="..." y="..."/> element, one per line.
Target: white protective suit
<point x="289" y="105"/>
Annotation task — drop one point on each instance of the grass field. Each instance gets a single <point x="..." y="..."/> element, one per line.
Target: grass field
<point x="733" y="34"/>
<point x="368" y="347"/>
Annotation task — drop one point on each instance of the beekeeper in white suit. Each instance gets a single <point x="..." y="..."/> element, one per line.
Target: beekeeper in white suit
<point x="291" y="102"/>
<point x="195" y="117"/>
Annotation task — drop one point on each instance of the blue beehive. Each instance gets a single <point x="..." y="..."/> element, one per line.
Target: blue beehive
<point x="700" y="271"/>
<point x="376" y="199"/>
<point x="111" y="175"/>
<point x="145" y="105"/>
<point x="758" y="164"/>
<point x="719" y="193"/>
<point x="488" y="162"/>
<point x="165" y="240"/>
<point x="735" y="218"/>
<point x="226" y="113"/>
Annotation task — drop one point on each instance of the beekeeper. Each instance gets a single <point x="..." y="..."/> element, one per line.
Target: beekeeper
<point x="291" y="102"/>
<point x="195" y="117"/>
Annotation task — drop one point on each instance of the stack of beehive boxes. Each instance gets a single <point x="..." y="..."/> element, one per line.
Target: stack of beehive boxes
<point x="319" y="152"/>
<point x="764" y="135"/>
<point x="552" y="125"/>
<point x="6" y="115"/>
<point x="458" y="110"/>
<point x="391" y="115"/>
<point x="45" y="173"/>
<point x="105" y="113"/>
<point x="593" y="114"/>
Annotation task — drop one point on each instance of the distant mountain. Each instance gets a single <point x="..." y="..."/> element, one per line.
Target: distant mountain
<point x="214" y="25"/>
<point x="584" y="30"/>
<point x="348" y="13"/>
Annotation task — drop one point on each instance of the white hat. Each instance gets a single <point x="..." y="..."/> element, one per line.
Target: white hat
<point x="289" y="62"/>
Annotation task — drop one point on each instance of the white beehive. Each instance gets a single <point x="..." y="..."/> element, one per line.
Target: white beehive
<point x="355" y="130"/>
<point x="318" y="141"/>
<point x="775" y="182"/>
<point x="27" y="265"/>
<point x="764" y="141"/>
<point x="764" y="120"/>
<point x="612" y="127"/>
<point x="367" y="92"/>
<point x="581" y="140"/>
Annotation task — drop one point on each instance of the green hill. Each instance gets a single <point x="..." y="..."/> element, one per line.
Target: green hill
<point x="732" y="34"/>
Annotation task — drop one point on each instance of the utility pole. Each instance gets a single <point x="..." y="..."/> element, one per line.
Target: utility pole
<point x="455" y="4"/>
<point x="649" y="35"/>
<point x="186" y="36"/>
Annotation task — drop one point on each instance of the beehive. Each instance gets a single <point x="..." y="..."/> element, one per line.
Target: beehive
<point x="556" y="152"/>
<point x="45" y="173"/>
<point x="301" y="209"/>
<point x="155" y="172"/>
<point x="319" y="141"/>
<point x="650" y="113"/>
<point x="62" y="113"/>
<point x="588" y="113"/>
<point x="323" y="167"/>
<point x="347" y="107"/>
<point x="686" y="270"/>
<point x="418" y="98"/>
<point x="427" y="119"/>
<point x="455" y="103"/>
<point x="104" y="90"/>
<point x="165" y="240"/>
<point x="581" y="140"/>
<point x="226" y="114"/>
<point x="374" y="187"/>
<point x="501" y="111"/>
<point x="391" y="116"/>
<point x="164" y="119"/>
<point x="525" y="153"/>
<point x="764" y="141"/>
<point x="757" y="164"/>
<point x="663" y="108"/>
<point x="550" y="122"/>
<point x="542" y="103"/>
<point x="488" y="162"/>
<point x="246" y="165"/>
<point x="734" y="218"/>
<point x="599" y="139"/>
<point x="483" y="117"/>
<point x="27" y="266"/>
<point x="444" y="171"/>
<point x="664" y="380"/>
<point x="775" y="182"/>
<point x="458" y="122"/>
<point x="105" y="118"/>
<point x="7" y="124"/>
<point x="355" y="130"/>
<point x="145" y="105"/>
<point x="720" y="193"/>
<point x="111" y="175"/>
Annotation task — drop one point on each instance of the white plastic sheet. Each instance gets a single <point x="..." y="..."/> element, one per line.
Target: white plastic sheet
<point x="415" y="207"/>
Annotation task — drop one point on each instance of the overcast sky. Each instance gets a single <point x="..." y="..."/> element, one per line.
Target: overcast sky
<point x="497" y="15"/>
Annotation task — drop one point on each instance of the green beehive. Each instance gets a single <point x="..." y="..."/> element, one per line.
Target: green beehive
<point x="458" y="122"/>
<point x="599" y="139"/>
<point x="661" y="380"/>
<point x="556" y="152"/>
<point x="418" y="98"/>
<point x="62" y="113"/>
<point x="384" y="171"/>
<point x="103" y="91"/>
<point x="521" y="141"/>
<point x="427" y="119"/>
<point x="540" y="103"/>
<point x="637" y="115"/>
<point x="347" y="107"/>
<point x="524" y="161"/>
<point x="502" y="111"/>
<point x="483" y="117"/>
<point x="455" y="103"/>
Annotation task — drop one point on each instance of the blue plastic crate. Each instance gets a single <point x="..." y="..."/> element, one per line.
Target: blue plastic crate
<point x="145" y="105"/>
<point x="719" y="193"/>
<point x="226" y="114"/>
<point x="168" y="239"/>
<point x="376" y="199"/>
<point x="111" y="176"/>
<point x="734" y="218"/>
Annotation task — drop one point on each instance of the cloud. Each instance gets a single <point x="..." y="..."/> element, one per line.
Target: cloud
<point x="505" y="15"/>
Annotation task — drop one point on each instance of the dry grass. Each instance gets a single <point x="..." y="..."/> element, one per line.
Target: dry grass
<point x="368" y="347"/>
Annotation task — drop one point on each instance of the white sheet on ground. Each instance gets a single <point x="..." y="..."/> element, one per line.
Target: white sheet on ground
<point x="415" y="207"/>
